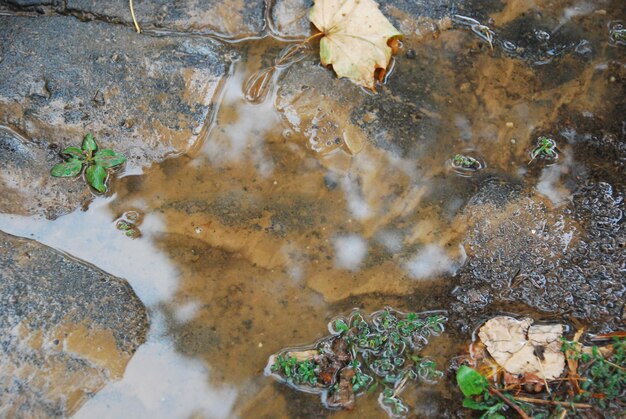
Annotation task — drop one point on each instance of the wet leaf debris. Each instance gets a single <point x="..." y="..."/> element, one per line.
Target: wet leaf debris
<point x="534" y="371"/>
<point x="379" y="353"/>
<point x="355" y="38"/>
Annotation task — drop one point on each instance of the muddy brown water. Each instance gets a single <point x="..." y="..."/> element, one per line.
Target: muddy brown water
<point x="254" y="241"/>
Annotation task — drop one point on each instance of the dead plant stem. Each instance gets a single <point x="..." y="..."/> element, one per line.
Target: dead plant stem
<point x="510" y="403"/>
<point x="132" y="13"/>
<point x="553" y="402"/>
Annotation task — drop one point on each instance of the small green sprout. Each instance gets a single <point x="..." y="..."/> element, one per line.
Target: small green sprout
<point x="475" y="388"/>
<point x="97" y="163"/>
<point x="618" y="35"/>
<point x="129" y="229"/>
<point x="360" y="381"/>
<point x="603" y="378"/>
<point x="461" y="161"/>
<point x="341" y="326"/>
<point x="392" y="403"/>
<point x="485" y="32"/>
<point x="129" y="223"/>
<point x="546" y="148"/>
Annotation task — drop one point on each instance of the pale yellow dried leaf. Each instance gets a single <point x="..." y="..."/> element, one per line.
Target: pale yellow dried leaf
<point x="355" y="38"/>
<point x="513" y="344"/>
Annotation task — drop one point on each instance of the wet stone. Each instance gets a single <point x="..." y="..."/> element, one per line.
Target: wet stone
<point x="229" y="19"/>
<point x="289" y="18"/>
<point x="565" y="260"/>
<point x="30" y="3"/>
<point x="103" y="77"/>
<point x="66" y="329"/>
<point x="28" y="187"/>
<point x="317" y="106"/>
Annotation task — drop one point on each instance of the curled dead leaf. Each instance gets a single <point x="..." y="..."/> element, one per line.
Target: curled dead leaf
<point x="522" y="348"/>
<point x="355" y="36"/>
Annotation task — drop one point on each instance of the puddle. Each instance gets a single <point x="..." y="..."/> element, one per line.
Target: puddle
<point x="161" y="383"/>
<point x="257" y="238"/>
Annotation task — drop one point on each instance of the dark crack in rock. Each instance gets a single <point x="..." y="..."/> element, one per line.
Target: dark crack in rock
<point x="229" y="19"/>
<point x="222" y="18"/>
<point x="63" y="325"/>
<point x="30" y="3"/>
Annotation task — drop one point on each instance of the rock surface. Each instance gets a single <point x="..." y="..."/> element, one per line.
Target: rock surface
<point x="289" y="18"/>
<point x="66" y="329"/>
<point x="146" y="97"/>
<point x="569" y="260"/>
<point x="223" y="18"/>
<point x="28" y="187"/>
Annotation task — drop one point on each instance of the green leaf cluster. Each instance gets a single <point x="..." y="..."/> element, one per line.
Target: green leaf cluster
<point x="97" y="162"/>
<point x="546" y="148"/>
<point x="392" y="403"/>
<point x="297" y="372"/>
<point x="475" y="388"/>
<point x="388" y="345"/>
<point x="605" y="376"/>
<point x="381" y="349"/>
<point x="360" y="381"/>
<point x="465" y="162"/>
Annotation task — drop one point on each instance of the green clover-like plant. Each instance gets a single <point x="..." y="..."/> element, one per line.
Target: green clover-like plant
<point x="461" y="161"/>
<point x="97" y="163"/>
<point x="618" y="35"/>
<point x="546" y="148"/>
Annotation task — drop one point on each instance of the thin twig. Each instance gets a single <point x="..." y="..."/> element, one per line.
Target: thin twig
<point x="572" y="363"/>
<point x="132" y="13"/>
<point x="543" y="374"/>
<point x="615" y="365"/>
<point x="510" y="403"/>
<point x="553" y="402"/>
<point x="312" y="37"/>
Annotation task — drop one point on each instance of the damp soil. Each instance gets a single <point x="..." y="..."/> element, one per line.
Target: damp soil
<point x="257" y="236"/>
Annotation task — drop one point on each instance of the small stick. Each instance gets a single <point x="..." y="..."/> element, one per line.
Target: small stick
<point x="312" y="37"/>
<point x="554" y="403"/>
<point x="510" y="403"/>
<point x="132" y="13"/>
<point x="615" y="365"/>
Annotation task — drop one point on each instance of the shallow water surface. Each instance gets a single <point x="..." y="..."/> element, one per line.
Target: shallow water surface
<point x="255" y="239"/>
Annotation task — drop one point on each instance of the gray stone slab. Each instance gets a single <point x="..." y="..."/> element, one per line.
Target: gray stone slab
<point x="66" y="329"/>
<point x="147" y="97"/>
<point x="229" y="19"/>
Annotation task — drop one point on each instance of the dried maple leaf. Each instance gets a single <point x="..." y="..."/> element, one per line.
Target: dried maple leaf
<point x="355" y="38"/>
